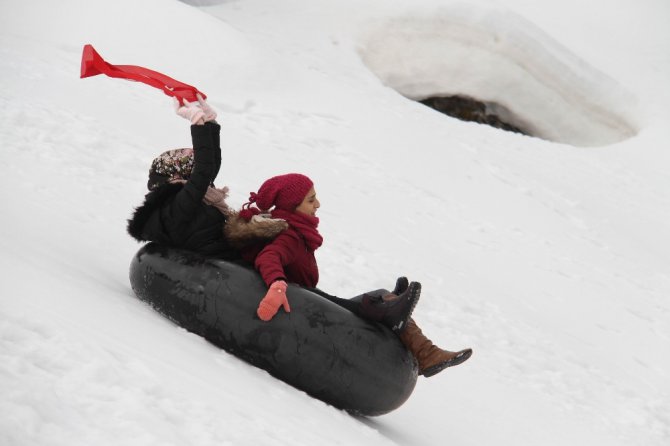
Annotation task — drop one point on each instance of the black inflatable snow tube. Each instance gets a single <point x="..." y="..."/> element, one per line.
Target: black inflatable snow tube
<point x="319" y="347"/>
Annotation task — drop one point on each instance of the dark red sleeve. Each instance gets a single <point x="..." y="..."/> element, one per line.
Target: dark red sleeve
<point x="271" y="260"/>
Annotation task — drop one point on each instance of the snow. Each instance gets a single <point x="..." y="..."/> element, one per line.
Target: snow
<point x="549" y="257"/>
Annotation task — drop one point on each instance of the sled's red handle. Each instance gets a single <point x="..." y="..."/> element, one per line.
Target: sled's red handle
<point x="93" y="64"/>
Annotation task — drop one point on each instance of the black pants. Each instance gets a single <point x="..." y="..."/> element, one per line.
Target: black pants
<point x="353" y="304"/>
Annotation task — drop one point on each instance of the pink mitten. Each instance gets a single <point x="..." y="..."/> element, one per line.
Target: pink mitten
<point x="189" y="111"/>
<point x="210" y="114"/>
<point x="275" y="297"/>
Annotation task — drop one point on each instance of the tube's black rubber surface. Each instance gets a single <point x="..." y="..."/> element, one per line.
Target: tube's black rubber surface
<point x="319" y="347"/>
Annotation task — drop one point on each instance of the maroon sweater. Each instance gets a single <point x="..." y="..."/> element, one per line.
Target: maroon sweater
<point x="289" y="258"/>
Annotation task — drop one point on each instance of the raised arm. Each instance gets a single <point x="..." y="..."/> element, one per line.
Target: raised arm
<point x="206" y="156"/>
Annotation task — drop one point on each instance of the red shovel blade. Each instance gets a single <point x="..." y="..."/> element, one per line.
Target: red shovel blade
<point x="89" y="59"/>
<point x="93" y="64"/>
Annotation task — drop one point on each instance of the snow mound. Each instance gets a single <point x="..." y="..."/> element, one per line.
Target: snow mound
<point x="498" y="57"/>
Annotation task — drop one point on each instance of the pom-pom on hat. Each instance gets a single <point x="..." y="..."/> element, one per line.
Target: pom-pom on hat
<point x="283" y="192"/>
<point x="173" y="164"/>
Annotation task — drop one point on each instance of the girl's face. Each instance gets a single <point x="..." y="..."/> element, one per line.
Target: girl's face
<point x="309" y="204"/>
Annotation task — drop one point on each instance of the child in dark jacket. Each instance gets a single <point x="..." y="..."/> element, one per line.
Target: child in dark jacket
<point x="183" y="208"/>
<point x="290" y="258"/>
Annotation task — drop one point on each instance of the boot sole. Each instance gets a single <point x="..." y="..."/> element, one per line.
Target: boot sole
<point x="415" y="293"/>
<point x="437" y="368"/>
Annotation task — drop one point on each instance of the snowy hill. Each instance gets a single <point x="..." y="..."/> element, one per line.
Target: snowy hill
<point x="549" y="255"/>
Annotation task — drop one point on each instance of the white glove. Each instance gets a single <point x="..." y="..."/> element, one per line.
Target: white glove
<point x="189" y="111"/>
<point x="210" y="114"/>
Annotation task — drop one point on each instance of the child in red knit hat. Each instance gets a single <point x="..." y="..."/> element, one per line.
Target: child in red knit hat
<point x="290" y="258"/>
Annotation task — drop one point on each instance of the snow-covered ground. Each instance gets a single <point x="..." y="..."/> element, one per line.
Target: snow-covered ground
<point x="549" y="257"/>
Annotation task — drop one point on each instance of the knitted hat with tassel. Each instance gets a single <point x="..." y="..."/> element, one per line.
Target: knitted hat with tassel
<point x="283" y="192"/>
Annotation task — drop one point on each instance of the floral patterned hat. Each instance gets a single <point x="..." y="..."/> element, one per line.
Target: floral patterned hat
<point x="171" y="165"/>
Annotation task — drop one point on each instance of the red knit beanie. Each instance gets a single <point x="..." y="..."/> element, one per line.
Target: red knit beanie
<point x="283" y="191"/>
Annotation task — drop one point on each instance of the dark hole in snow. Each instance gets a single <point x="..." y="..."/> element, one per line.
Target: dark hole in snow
<point x="470" y="109"/>
<point x="493" y="66"/>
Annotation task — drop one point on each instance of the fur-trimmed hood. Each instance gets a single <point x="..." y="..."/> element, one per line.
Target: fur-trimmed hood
<point x="241" y="233"/>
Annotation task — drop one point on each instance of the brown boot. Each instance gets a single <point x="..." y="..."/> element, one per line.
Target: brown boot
<point x="431" y="359"/>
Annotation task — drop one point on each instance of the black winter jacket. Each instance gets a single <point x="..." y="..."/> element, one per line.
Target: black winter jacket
<point x="175" y="215"/>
